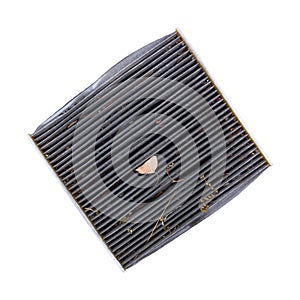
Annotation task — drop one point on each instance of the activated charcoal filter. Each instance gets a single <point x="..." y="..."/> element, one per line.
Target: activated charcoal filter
<point x="150" y="149"/>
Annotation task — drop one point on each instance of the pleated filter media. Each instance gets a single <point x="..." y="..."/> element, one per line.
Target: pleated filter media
<point x="150" y="149"/>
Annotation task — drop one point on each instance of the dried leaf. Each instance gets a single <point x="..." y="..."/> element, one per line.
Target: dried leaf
<point x="149" y="167"/>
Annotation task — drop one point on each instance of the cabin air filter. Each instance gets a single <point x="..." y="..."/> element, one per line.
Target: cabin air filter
<point x="150" y="149"/>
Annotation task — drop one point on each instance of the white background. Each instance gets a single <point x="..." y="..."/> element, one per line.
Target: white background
<point x="50" y="51"/>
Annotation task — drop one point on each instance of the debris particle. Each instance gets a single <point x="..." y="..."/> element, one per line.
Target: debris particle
<point x="170" y="166"/>
<point x="96" y="211"/>
<point x="161" y="217"/>
<point x="204" y="208"/>
<point x="72" y="123"/>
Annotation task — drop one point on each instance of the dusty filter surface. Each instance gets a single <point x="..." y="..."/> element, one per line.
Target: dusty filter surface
<point x="150" y="149"/>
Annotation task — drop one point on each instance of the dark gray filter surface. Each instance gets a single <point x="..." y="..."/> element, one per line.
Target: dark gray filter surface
<point x="150" y="149"/>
